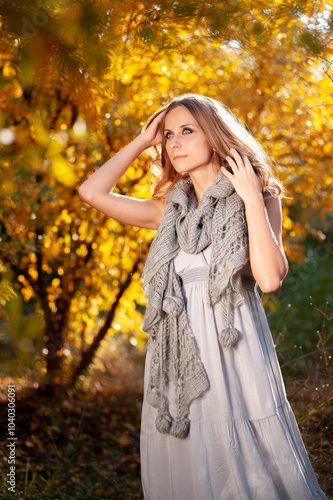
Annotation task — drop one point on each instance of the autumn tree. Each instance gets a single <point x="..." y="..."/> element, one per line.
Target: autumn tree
<point x="78" y="81"/>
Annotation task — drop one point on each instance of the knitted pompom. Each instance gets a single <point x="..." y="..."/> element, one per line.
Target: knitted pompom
<point x="228" y="337"/>
<point x="180" y="428"/>
<point x="172" y="305"/>
<point x="163" y="422"/>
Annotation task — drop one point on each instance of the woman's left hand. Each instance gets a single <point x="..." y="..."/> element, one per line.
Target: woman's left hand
<point x="244" y="179"/>
<point x="267" y="259"/>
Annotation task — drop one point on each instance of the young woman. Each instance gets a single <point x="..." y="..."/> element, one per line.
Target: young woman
<point x="216" y="424"/>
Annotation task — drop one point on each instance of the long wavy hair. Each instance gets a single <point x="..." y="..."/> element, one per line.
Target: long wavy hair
<point x="223" y="130"/>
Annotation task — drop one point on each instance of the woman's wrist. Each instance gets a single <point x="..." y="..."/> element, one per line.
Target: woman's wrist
<point x="140" y="143"/>
<point x="143" y="141"/>
<point x="254" y="202"/>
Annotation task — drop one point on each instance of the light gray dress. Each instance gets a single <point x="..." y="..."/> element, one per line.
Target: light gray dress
<point x="244" y="443"/>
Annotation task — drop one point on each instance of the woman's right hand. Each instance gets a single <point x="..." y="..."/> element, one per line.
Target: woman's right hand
<point x="97" y="190"/>
<point x="152" y="134"/>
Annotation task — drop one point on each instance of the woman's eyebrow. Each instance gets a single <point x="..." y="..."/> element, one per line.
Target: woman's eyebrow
<point x="182" y="126"/>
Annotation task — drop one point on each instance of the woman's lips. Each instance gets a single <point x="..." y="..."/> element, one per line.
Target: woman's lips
<point x="179" y="157"/>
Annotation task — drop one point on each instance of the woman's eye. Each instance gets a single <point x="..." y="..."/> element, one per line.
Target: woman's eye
<point x="186" y="130"/>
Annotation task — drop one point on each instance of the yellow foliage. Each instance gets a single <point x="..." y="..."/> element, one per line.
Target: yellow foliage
<point x="62" y="170"/>
<point x="27" y="294"/>
<point x="6" y="291"/>
<point x="7" y="187"/>
<point x="38" y="131"/>
<point x="56" y="144"/>
<point x="33" y="273"/>
<point x="287" y="223"/>
<point x="55" y="282"/>
<point x="69" y="115"/>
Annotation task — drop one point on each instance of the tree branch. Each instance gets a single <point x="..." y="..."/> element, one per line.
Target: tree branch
<point x="18" y="270"/>
<point x="88" y="355"/>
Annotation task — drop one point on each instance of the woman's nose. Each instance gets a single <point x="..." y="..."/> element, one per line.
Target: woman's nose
<point x="175" y="141"/>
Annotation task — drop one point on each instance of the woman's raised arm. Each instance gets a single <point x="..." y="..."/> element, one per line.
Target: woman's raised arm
<point x="97" y="189"/>
<point x="264" y="219"/>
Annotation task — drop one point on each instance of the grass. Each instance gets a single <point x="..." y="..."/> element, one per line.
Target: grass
<point x="82" y="446"/>
<point x="85" y="445"/>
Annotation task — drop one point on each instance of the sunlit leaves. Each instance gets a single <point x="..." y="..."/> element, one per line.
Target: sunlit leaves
<point x="62" y="170"/>
<point x="79" y="80"/>
<point x="7" y="292"/>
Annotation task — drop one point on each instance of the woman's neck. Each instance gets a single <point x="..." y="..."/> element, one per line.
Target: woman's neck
<point x="202" y="180"/>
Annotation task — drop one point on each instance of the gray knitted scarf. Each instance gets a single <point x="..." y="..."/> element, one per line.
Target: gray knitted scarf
<point x="219" y="220"/>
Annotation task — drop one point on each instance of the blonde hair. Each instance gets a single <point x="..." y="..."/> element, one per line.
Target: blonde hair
<point x="223" y="130"/>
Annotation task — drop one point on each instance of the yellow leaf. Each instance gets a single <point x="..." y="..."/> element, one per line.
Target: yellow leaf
<point x="38" y="131"/>
<point x="62" y="170"/>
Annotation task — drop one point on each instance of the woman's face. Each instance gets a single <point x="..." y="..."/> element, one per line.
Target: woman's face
<point x="186" y="144"/>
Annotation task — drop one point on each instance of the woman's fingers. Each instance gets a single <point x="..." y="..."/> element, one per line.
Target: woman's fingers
<point x="152" y="133"/>
<point x="243" y="176"/>
<point x="231" y="162"/>
<point x="226" y="172"/>
<point x="157" y="122"/>
<point x="238" y="161"/>
<point x="237" y="157"/>
<point x="158" y="119"/>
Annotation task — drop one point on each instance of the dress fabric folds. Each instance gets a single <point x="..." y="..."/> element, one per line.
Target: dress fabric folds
<point x="244" y="442"/>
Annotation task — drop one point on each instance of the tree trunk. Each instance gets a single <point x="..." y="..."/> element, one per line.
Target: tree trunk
<point x="87" y="356"/>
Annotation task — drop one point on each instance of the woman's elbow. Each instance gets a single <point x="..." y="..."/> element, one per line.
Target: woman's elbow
<point x="272" y="283"/>
<point x="269" y="286"/>
<point x="84" y="195"/>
